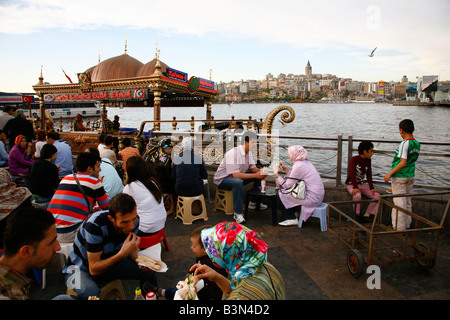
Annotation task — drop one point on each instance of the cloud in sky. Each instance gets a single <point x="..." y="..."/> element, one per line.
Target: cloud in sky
<point x="411" y="36"/>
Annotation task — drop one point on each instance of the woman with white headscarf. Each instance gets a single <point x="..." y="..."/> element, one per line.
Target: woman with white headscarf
<point x="188" y="170"/>
<point x="302" y="169"/>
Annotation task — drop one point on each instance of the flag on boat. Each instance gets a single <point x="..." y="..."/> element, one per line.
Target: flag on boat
<point x="66" y="75"/>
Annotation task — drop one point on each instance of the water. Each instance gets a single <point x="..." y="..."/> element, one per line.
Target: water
<point x="360" y="120"/>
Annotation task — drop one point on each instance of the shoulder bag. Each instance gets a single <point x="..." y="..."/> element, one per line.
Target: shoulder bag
<point x="298" y="190"/>
<point x="83" y="193"/>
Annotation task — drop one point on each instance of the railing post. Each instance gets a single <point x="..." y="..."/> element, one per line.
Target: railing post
<point x="350" y="150"/>
<point x="339" y="161"/>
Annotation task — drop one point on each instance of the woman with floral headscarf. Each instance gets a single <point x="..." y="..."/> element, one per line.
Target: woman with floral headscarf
<point x="302" y="169"/>
<point x="19" y="161"/>
<point x="243" y="254"/>
<point x="159" y="160"/>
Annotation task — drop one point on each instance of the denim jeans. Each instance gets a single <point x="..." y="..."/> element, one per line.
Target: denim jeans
<point x="236" y="185"/>
<point x="288" y="214"/>
<point x="125" y="269"/>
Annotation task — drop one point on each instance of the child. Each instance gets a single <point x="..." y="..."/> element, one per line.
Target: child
<point x="403" y="172"/>
<point x="210" y="290"/>
<point x="360" y="172"/>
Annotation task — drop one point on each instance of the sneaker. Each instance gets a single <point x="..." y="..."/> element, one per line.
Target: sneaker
<point x="239" y="217"/>
<point x="290" y="222"/>
<point x="252" y="206"/>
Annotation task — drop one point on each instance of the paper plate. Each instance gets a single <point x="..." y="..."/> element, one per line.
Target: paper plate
<point x="153" y="252"/>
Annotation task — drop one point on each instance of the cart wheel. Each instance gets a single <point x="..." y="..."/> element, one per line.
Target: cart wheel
<point x="355" y="263"/>
<point x="424" y="264"/>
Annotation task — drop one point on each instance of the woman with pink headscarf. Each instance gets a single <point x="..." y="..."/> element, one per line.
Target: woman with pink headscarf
<point x="302" y="169"/>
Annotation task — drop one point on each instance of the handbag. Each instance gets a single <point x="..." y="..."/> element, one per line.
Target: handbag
<point x="298" y="190"/>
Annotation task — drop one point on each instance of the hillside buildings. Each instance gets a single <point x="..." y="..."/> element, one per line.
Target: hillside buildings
<point x="310" y="86"/>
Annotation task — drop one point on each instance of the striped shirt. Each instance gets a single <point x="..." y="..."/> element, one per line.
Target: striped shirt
<point x="13" y="285"/>
<point x="68" y="204"/>
<point x="265" y="284"/>
<point x="96" y="234"/>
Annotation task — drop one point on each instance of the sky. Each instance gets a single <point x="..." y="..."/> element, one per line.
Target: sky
<point x="229" y="40"/>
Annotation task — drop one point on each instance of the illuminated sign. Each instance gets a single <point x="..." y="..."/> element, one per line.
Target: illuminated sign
<point x="206" y="83"/>
<point x="177" y="75"/>
<point x="193" y="84"/>
<point x="113" y="95"/>
<point x="11" y="99"/>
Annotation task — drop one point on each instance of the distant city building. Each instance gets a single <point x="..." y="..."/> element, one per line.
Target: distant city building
<point x="316" y="86"/>
<point x="308" y="70"/>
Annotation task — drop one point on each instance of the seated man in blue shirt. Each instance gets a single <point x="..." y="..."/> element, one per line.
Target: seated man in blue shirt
<point x="64" y="158"/>
<point x="105" y="249"/>
<point x="109" y="176"/>
<point x="3" y="154"/>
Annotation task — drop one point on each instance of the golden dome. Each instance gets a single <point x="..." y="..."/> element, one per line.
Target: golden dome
<point x="149" y="68"/>
<point x="119" y="67"/>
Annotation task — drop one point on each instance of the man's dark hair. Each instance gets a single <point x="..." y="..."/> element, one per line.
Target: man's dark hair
<point x="249" y="135"/>
<point x="7" y="108"/>
<point x="53" y="135"/>
<point x="364" y="146"/>
<point x="25" y="226"/>
<point x="94" y="150"/>
<point x="40" y="135"/>
<point x="122" y="203"/>
<point x="109" y="140"/>
<point x="48" y="150"/>
<point x="102" y="137"/>
<point x="126" y="142"/>
<point x="407" y="125"/>
<point x="86" y="160"/>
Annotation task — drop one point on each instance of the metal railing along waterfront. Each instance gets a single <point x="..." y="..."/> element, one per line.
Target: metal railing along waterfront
<point x="322" y="150"/>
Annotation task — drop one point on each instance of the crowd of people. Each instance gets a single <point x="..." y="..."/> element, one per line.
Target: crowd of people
<point x="105" y="207"/>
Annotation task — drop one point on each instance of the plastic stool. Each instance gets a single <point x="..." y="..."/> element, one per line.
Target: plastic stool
<point x="320" y="212"/>
<point x="111" y="289"/>
<point x="224" y="201"/>
<point x="205" y="183"/>
<point x="66" y="247"/>
<point x="169" y="203"/>
<point x="184" y="209"/>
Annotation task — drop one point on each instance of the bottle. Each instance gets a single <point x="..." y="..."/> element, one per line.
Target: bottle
<point x="263" y="185"/>
<point x="150" y="296"/>
<point x="138" y="294"/>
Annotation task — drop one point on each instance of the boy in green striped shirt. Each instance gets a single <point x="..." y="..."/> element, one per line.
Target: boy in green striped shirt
<point x="403" y="172"/>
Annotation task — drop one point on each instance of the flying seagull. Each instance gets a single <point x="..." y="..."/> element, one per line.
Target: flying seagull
<point x="371" y="54"/>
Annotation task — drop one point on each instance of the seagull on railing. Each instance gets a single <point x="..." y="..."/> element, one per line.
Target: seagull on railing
<point x="371" y="54"/>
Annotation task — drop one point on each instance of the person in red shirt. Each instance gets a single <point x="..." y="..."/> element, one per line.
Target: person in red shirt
<point x="359" y="179"/>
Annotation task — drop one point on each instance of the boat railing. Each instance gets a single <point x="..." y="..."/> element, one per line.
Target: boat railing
<point x="233" y="123"/>
<point x="322" y="150"/>
<point x="330" y="155"/>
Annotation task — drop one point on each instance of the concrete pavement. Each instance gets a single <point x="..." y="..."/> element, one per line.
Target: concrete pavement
<point x="313" y="264"/>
